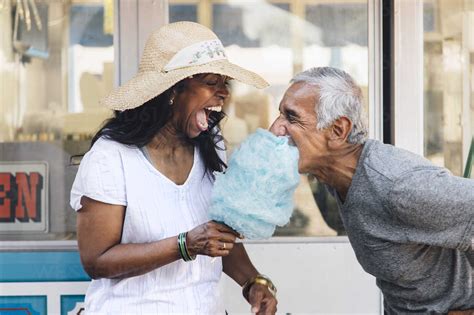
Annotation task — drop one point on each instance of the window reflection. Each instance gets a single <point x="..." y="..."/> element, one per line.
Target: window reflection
<point x="182" y="12"/>
<point x="52" y="78"/>
<point x="278" y="39"/>
<point x="448" y="82"/>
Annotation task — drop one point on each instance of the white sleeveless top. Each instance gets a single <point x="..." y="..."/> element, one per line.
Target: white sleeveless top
<point x="156" y="208"/>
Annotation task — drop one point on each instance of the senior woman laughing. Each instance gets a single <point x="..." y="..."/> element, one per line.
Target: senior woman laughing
<point x="142" y="191"/>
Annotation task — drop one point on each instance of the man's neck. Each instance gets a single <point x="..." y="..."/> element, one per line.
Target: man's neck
<point x="339" y="168"/>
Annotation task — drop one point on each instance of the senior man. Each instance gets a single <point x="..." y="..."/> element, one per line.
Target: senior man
<point x="410" y="223"/>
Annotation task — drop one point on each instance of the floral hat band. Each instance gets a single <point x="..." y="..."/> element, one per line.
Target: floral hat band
<point x="197" y="54"/>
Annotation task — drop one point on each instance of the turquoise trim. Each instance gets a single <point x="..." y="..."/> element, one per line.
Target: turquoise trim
<point x="68" y="302"/>
<point x="41" y="267"/>
<point x="16" y="305"/>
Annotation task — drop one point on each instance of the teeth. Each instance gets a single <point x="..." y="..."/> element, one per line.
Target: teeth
<point x="215" y="108"/>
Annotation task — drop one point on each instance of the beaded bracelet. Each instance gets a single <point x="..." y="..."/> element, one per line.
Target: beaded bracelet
<point x="183" y="250"/>
<point x="259" y="279"/>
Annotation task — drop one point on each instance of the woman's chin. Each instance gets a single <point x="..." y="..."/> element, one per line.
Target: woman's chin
<point x="193" y="134"/>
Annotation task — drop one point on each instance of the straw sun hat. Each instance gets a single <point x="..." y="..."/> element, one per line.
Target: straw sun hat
<point x="173" y="53"/>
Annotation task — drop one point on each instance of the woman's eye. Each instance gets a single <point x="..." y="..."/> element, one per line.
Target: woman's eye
<point x="211" y="83"/>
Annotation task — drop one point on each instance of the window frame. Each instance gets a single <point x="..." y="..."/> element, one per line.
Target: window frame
<point x="134" y="20"/>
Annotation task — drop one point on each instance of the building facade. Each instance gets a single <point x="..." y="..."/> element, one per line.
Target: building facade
<point x="414" y="60"/>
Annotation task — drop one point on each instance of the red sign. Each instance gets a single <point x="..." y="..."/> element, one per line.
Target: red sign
<point x="23" y="197"/>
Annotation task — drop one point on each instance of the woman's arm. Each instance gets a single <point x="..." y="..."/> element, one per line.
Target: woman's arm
<point x="238" y="266"/>
<point x="99" y="231"/>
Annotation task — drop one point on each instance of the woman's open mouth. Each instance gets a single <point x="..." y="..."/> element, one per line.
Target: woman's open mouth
<point x="202" y="116"/>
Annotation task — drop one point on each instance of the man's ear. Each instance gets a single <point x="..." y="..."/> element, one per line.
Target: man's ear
<point x="340" y="130"/>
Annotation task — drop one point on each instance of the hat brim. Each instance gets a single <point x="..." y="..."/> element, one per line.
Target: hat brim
<point x="147" y="85"/>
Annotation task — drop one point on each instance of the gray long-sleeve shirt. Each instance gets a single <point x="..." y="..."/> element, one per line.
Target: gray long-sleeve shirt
<point x="411" y="225"/>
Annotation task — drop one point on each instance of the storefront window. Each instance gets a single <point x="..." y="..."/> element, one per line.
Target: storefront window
<point x="57" y="61"/>
<point x="278" y="39"/>
<point x="448" y="82"/>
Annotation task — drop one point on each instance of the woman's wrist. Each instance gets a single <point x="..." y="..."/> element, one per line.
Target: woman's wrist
<point x="258" y="279"/>
<point x="183" y="249"/>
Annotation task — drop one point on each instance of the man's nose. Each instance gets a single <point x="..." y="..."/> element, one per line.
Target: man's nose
<point x="278" y="128"/>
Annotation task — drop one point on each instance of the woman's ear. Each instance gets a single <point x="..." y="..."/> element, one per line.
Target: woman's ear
<point x="340" y="130"/>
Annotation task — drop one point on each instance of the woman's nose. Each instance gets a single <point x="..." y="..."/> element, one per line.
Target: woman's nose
<point x="223" y="91"/>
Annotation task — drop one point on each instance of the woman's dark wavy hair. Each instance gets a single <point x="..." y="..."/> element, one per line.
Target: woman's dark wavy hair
<point x="138" y="126"/>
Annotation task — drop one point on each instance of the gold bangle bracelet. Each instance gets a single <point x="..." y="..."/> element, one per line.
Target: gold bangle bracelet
<point x="259" y="279"/>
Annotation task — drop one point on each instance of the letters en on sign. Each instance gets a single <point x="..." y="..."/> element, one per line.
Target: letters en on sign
<point x="23" y="197"/>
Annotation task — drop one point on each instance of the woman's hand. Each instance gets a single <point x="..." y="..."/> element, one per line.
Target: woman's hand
<point x="262" y="300"/>
<point x="211" y="239"/>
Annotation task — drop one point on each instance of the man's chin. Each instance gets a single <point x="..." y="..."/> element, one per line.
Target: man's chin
<point x="307" y="172"/>
<point x="303" y="170"/>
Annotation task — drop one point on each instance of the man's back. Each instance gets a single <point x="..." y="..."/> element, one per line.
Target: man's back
<point x="411" y="226"/>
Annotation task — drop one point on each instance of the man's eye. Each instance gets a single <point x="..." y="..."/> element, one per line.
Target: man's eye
<point x="291" y="119"/>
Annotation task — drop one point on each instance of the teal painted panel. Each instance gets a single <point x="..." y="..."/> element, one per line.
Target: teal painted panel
<point x="23" y="305"/>
<point x="41" y="267"/>
<point x="69" y="302"/>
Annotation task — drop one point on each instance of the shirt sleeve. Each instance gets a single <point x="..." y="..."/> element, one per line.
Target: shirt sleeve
<point x="100" y="177"/>
<point x="435" y="208"/>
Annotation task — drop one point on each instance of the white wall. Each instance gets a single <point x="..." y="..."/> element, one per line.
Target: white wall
<point x="312" y="275"/>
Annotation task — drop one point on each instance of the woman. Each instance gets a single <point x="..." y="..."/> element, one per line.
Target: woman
<point x="142" y="191"/>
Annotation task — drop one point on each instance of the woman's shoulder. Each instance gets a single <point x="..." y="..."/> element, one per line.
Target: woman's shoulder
<point x="109" y="146"/>
<point x="100" y="175"/>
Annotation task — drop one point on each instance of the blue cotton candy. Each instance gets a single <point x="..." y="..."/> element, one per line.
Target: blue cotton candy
<point x="255" y="194"/>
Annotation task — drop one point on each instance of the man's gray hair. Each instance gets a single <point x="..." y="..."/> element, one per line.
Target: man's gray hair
<point x="339" y="96"/>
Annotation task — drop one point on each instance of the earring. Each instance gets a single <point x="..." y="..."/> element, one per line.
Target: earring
<point x="171" y="101"/>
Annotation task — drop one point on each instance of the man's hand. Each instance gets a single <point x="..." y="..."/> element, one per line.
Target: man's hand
<point x="262" y="300"/>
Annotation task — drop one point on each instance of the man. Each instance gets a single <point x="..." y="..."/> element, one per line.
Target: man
<point x="411" y="223"/>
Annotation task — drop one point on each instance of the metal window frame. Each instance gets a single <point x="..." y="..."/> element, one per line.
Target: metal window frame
<point x="134" y="21"/>
<point x="375" y="41"/>
<point x="408" y="75"/>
